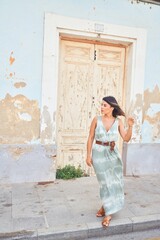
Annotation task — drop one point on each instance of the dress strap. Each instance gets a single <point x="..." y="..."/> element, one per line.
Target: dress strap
<point x="98" y="118"/>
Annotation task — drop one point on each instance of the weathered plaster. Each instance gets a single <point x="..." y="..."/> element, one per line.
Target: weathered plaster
<point x="151" y="115"/>
<point x="10" y="74"/>
<point x="135" y="111"/>
<point x="20" y="119"/>
<point x="20" y="84"/>
<point x="11" y="59"/>
<point x="143" y="158"/>
<point x="151" y="97"/>
<point x="17" y="151"/>
<point x="48" y="126"/>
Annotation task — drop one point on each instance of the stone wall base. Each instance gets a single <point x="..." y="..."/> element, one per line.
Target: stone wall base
<point x="141" y="159"/>
<point x="27" y="163"/>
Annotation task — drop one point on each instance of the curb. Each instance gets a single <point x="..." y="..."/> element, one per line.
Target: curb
<point x="88" y="230"/>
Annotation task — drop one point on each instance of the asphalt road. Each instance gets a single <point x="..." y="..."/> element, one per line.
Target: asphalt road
<point x="143" y="235"/>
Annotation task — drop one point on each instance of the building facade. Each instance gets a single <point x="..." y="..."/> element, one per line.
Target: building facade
<point x="56" y="65"/>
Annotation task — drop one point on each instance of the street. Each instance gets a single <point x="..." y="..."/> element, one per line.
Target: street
<point x="142" y="235"/>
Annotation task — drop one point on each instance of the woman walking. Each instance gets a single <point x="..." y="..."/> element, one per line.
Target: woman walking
<point x="105" y="157"/>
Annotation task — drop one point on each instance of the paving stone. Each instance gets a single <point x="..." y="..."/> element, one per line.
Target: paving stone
<point x="67" y="209"/>
<point x="30" y="223"/>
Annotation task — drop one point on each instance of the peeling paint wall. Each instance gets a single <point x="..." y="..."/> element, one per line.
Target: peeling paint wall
<point x="20" y="116"/>
<point x="151" y="115"/>
<point x="20" y="120"/>
<point x="47" y="125"/>
<point x="149" y="103"/>
<point x="135" y="112"/>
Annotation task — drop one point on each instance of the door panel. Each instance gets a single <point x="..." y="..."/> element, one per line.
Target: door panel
<point x="75" y="88"/>
<point x="109" y="74"/>
<point x="88" y="72"/>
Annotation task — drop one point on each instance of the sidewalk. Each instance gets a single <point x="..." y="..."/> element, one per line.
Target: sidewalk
<point x="66" y="209"/>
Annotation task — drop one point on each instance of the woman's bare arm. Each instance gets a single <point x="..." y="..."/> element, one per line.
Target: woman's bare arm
<point x="126" y="134"/>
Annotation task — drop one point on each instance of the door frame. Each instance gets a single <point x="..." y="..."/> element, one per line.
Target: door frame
<point x="55" y="26"/>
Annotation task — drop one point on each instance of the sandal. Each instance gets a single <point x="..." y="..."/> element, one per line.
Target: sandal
<point x="106" y="221"/>
<point x="101" y="212"/>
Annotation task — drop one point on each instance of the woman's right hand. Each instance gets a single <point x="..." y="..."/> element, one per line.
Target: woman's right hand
<point x="89" y="161"/>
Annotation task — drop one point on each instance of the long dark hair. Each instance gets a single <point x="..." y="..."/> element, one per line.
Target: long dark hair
<point x="117" y="111"/>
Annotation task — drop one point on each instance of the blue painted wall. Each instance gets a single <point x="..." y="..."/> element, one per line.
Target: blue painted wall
<point x="22" y="32"/>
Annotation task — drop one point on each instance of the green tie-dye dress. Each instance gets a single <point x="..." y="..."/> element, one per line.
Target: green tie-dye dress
<point x="108" y="168"/>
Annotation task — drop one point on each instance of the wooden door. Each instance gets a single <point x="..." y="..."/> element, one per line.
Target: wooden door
<point x="87" y="73"/>
<point x="108" y="73"/>
<point x="74" y="108"/>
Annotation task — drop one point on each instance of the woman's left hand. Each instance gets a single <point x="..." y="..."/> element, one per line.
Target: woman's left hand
<point x="130" y="121"/>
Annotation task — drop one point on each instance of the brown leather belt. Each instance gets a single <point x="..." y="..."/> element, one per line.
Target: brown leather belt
<point x="111" y="144"/>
